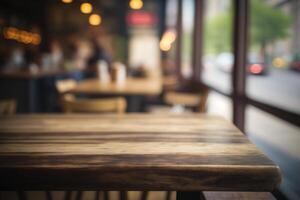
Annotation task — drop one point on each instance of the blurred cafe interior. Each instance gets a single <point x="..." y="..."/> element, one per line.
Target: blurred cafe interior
<point x="81" y="72"/>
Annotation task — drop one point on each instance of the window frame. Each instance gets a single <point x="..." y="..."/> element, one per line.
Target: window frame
<point x="238" y="95"/>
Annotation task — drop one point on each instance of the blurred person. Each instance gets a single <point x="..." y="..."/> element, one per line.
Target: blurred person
<point x="77" y="54"/>
<point x="82" y="54"/>
<point x="53" y="57"/>
<point x="99" y="54"/>
<point x="16" y="59"/>
<point x="56" y="53"/>
<point x="32" y="58"/>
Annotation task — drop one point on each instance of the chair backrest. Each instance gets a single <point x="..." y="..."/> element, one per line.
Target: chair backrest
<point x="107" y="105"/>
<point x="63" y="86"/>
<point x="180" y="98"/>
<point x="197" y="101"/>
<point x="8" y="107"/>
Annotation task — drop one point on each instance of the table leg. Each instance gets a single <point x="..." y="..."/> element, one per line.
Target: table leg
<point x="194" y="195"/>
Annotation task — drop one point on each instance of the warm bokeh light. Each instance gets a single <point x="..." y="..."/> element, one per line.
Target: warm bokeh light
<point x="279" y="63"/>
<point x="86" y="8"/>
<point x="22" y="36"/>
<point x="167" y="39"/>
<point x="136" y="4"/>
<point x="170" y="36"/>
<point x="67" y="1"/>
<point x="164" y="46"/>
<point x="95" y="20"/>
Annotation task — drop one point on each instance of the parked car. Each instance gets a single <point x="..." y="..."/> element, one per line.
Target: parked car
<point x="256" y="66"/>
<point x="295" y="65"/>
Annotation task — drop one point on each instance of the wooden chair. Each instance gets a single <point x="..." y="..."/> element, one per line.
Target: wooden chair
<point x="114" y="105"/>
<point x="197" y="101"/>
<point x="63" y="86"/>
<point x="8" y="107"/>
<point x="71" y="104"/>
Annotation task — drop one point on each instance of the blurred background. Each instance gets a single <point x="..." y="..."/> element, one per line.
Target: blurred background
<point x="162" y="56"/>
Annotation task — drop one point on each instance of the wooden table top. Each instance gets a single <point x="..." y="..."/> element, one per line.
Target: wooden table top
<point x="132" y="86"/>
<point x="130" y="152"/>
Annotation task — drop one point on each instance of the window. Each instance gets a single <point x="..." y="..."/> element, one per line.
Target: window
<point x="188" y="7"/>
<point x="280" y="141"/>
<point x="217" y="60"/>
<point x="268" y="108"/>
<point x="274" y="53"/>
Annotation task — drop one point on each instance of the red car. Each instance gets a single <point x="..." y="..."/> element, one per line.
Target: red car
<point x="296" y="65"/>
<point x="257" y="68"/>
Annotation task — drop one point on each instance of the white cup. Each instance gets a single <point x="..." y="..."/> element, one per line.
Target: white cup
<point x="103" y="73"/>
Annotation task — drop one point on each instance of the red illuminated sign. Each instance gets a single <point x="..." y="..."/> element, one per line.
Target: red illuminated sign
<point x="141" y="18"/>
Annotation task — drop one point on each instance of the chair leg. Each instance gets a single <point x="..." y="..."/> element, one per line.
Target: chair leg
<point x="78" y="195"/>
<point x="106" y="195"/>
<point x="68" y="195"/>
<point x="22" y="195"/>
<point x="144" y="195"/>
<point x="192" y="195"/>
<point x="97" y="195"/>
<point x="123" y="195"/>
<point x="48" y="195"/>
<point x="168" y="195"/>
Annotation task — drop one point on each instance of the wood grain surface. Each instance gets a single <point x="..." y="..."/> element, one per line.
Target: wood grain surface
<point x="130" y="152"/>
<point x="132" y="86"/>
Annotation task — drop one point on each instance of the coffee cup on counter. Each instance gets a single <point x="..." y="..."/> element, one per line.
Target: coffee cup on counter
<point x="103" y="71"/>
<point x="118" y="73"/>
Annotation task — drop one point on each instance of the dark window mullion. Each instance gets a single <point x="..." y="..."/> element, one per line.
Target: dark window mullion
<point x="179" y="38"/>
<point x="240" y="38"/>
<point x="198" y="39"/>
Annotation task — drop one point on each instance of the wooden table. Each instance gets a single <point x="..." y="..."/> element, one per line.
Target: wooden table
<point x="130" y="152"/>
<point x="132" y="86"/>
<point x="136" y="90"/>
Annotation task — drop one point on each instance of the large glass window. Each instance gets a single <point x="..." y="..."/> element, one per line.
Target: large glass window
<point x="280" y="141"/>
<point x="273" y="66"/>
<point x="274" y="54"/>
<point x="188" y="8"/>
<point x="217" y="52"/>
